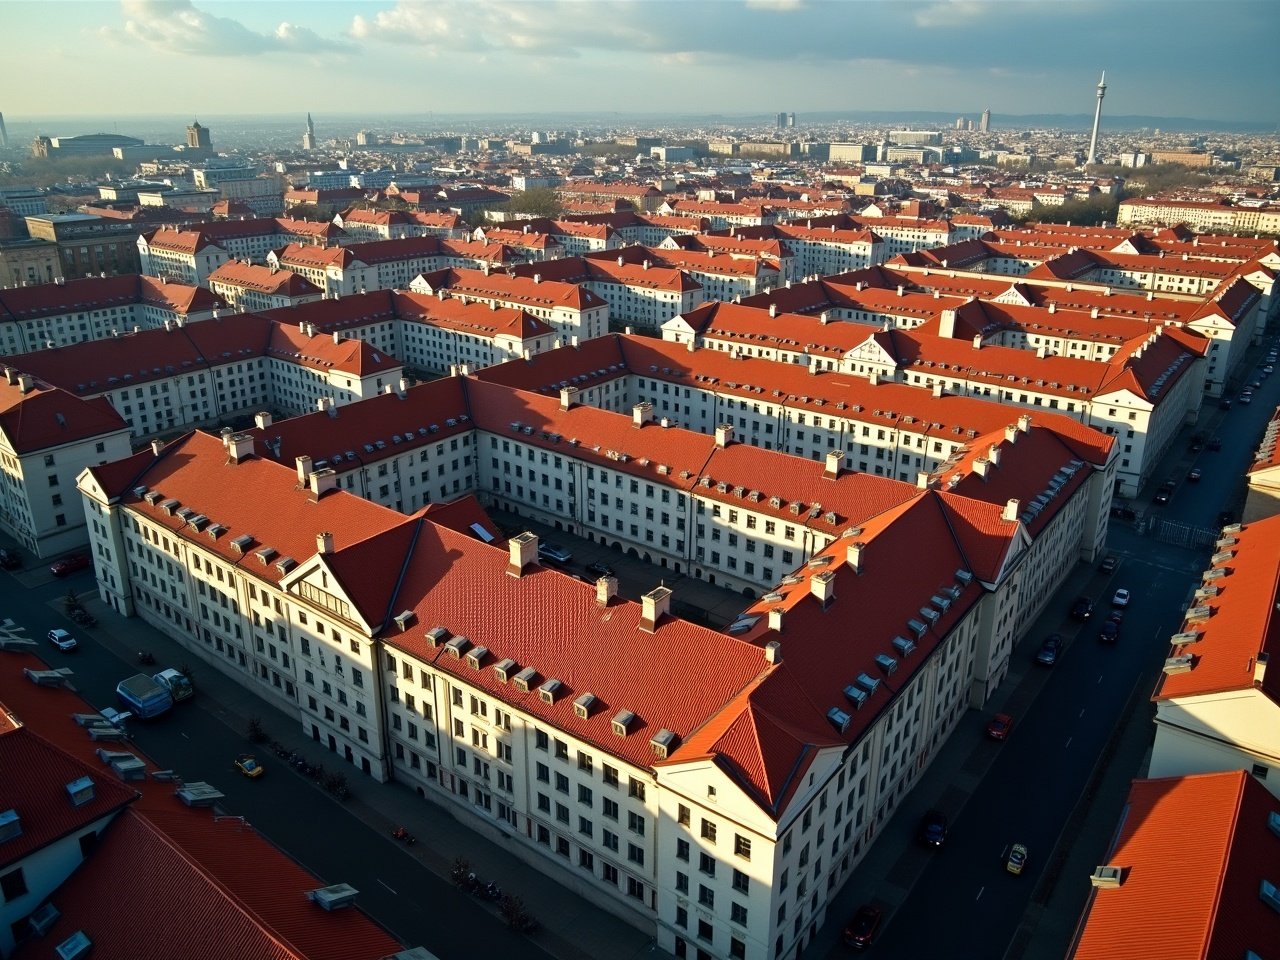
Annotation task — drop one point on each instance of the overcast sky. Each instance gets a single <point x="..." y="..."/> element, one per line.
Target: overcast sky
<point x="1194" y="58"/>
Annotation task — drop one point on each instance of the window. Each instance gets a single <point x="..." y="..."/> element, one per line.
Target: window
<point x="543" y="773"/>
<point x="708" y="831"/>
<point x="13" y="885"/>
<point x="682" y="917"/>
<point x="584" y="795"/>
<point x="741" y="882"/>
<point x="635" y="823"/>
<point x="610" y="808"/>
<point x="737" y="948"/>
<point x="541" y="740"/>
<point x="742" y="846"/>
<point x="705" y="929"/>
<point x="635" y="888"/>
<point x="682" y="850"/>
<point x="682" y="815"/>
<point x="738" y="914"/>
<point x="706" y="896"/>
<point x="610" y="840"/>
<point x="610" y="775"/>
<point x="562" y="750"/>
<point x="635" y="854"/>
<point x="635" y="789"/>
<point x="707" y="864"/>
<point x="562" y="783"/>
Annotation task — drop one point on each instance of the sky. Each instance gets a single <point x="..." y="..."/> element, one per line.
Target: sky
<point x="1172" y="58"/>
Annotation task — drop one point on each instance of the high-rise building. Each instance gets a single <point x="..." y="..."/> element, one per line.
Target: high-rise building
<point x="780" y="121"/>
<point x="366" y="139"/>
<point x="986" y="121"/>
<point x="1097" y="116"/>
<point x="309" y="138"/>
<point x="791" y="119"/>
<point x="4" y="134"/>
<point x="198" y="137"/>
<point x="959" y="123"/>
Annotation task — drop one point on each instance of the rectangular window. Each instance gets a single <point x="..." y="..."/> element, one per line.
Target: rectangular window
<point x="742" y="846"/>
<point x="708" y="831"/>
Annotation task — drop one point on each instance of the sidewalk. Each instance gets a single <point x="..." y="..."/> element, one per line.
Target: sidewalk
<point x="572" y="928"/>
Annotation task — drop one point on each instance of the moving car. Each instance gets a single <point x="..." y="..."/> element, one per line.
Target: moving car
<point x="1165" y="492"/>
<point x="1047" y="655"/>
<point x="62" y="640"/>
<point x="1224" y="403"/>
<point x="598" y="569"/>
<point x="249" y="766"/>
<point x="71" y="564"/>
<point x="1120" y="511"/>
<point x="1017" y="859"/>
<point x="933" y="828"/>
<point x="998" y="727"/>
<point x="862" y="928"/>
<point x="1194" y="475"/>
<point x="176" y="682"/>
<point x="553" y="552"/>
<point x="1109" y="632"/>
<point x="1121" y="598"/>
<point x="1215" y="444"/>
<point x="1109" y="563"/>
<point x="1081" y="608"/>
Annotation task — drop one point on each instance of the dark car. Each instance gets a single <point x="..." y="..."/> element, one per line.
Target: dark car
<point x="933" y="828"/>
<point x="1082" y="609"/>
<point x="599" y="569"/>
<point x="998" y="727"/>
<point x="1215" y="444"/>
<point x="1109" y="563"/>
<point x="1165" y="492"/>
<point x="69" y="565"/>
<point x="1121" y="512"/>
<point x="1109" y="632"/>
<point x="1195" y="475"/>
<point x="9" y="560"/>
<point x="553" y="552"/>
<point x="1224" y="403"/>
<point x="1047" y="655"/>
<point x="862" y="928"/>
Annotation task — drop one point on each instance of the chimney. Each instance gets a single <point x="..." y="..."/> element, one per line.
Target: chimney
<point x="537" y="278"/>
<point x="1011" y="509"/>
<point x="823" y="586"/>
<point x="168" y="326"/>
<point x="156" y="447"/>
<point x="1024" y="423"/>
<point x="982" y="466"/>
<point x="324" y="542"/>
<point x="1041" y="352"/>
<point x="724" y="434"/>
<point x="337" y="337"/>
<point x="402" y="387"/>
<point x="939" y="389"/>
<point x="647" y="264"/>
<point x="322" y="482"/>
<point x="622" y="261"/>
<point x="1260" y="667"/>
<point x="922" y="480"/>
<point x="873" y="378"/>
<point x="977" y="341"/>
<point x="775" y="620"/>
<point x="641" y="414"/>
<point x="832" y="469"/>
<point x="773" y="309"/>
<point x="606" y="590"/>
<point x="523" y="548"/>
<point x="1011" y="433"/>
<point x="773" y="649"/>
<point x="568" y="395"/>
<point x="25" y="383"/>
<point x="262" y="419"/>
<point x="655" y="605"/>
<point x="10" y="376"/>
<point x="853" y="555"/>
<point x="947" y="324"/>
<point x="304" y="468"/>
<point x="240" y="446"/>
<point x="993" y="454"/>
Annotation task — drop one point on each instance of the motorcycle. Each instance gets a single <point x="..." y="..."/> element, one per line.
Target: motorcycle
<point x="145" y="657"/>
<point x="400" y="833"/>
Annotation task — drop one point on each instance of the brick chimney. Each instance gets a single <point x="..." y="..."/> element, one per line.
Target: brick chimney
<point x="823" y="586"/>
<point x="568" y="395"/>
<point x="304" y="468"/>
<point x="240" y="446"/>
<point x="262" y="419"/>
<point x="832" y="469"/>
<point x="724" y="434"/>
<point x="641" y="414"/>
<point x="775" y="622"/>
<point x="523" y="549"/>
<point x="1011" y="509"/>
<point x="853" y="554"/>
<point x="324" y="542"/>
<point x="322" y="482"/>
<point x="655" y="605"/>
<point x="606" y="590"/>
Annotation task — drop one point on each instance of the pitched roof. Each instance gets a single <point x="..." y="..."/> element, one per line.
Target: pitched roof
<point x="264" y="279"/>
<point x="1205" y="836"/>
<point x="47" y="417"/>
<point x="102" y="293"/>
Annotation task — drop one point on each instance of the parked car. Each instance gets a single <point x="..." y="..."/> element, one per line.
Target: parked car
<point x="1047" y="655"/>
<point x="62" y="640"/>
<point x="862" y="928"/>
<point x="71" y="564"/>
<point x="599" y="570"/>
<point x="1082" y="609"/>
<point x="1121" y="598"/>
<point x="998" y="727"/>
<point x="1016" y="859"/>
<point x="1224" y="403"/>
<point x="1109" y="563"/>
<point x="1194" y="475"/>
<point x="1109" y="632"/>
<point x="1165" y="492"/>
<point x="933" y="828"/>
<point x="9" y="560"/>
<point x="248" y="765"/>
<point x="1215" y="444"/>
<point x="1246" y="398"/>
<point x="1122" y="512"/>
<point x="553" y="552"/>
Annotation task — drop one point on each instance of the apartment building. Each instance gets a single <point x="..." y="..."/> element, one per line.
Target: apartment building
<point x="644" y="293"/>
<point x="178" y="377"/>
<point x="738" y="248"/>
<point x="1225" y="870"/>
<point x="190" y="254"/>
<point x="822" y="251"/>
<point x="47" y="436"/>
<point x="360" y="267"/>
<point x="722" y="277"/>
<point x="525" y="245"/>
<point x="437" y="335"/>
<point x="1216" y="702"/>
<point x="1204" y="216"/>
<point x="249" y="286"/>
<point x="722" y="216"/>
<point x="73" y="311"/>
<point x="643" y="196"/>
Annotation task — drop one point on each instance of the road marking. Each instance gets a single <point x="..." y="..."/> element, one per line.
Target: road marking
<point x="979" y="896"/>
<point x="185" y="737"/>
<point x="1081" y="714"/>
<point x="1099" y="678"/>
<point x="1067" y="744"/>
<point x="396" y="894"/>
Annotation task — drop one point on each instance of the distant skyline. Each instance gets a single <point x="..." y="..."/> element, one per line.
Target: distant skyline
<point x="1172" y="58"/>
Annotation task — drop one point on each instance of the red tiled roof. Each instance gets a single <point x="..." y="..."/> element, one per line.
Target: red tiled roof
<point x="101" y="293"/>
<point x="47" y="417"/>
<point x="263" y="279"/>
<point x="1205" y="837"/>
<point x="525" y="291"/>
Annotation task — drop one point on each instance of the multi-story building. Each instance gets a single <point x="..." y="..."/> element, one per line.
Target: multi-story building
<point x="89" y="245"/>
<point x="24" y="261"/>
<point x="722" y="277"/>
<point x="438" y="335"/>
<point x="639" y="292"/>
<point x="362" y="267"/>
<point x="181" y="376"/>
<point x="190" y="254"/>
<point x="47" y="437"/>
<point x="24" y="201"/>
<point x="739" y="248"/>
<point x="250" y="286"/>
<point x="1216" y="216"/>
<point x="64" y="312"/>
<point x="1217" y="703"/>
<point x="643" y="196"/>
<point x="722" y="216"/>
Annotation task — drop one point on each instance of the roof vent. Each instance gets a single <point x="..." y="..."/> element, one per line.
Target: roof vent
<point x="1180" y="664"/>
<point x="1107" y="877"/>
<point x="903" y="645"/>
<point x="886" y="663"/>
<point x="622" y="721"/>
<point x="80" y="791"/>
<point x="10" y="825"/>
<point x="241" y="543"/>
<point x="404" y="618"/>
<point x="524" y="679"/>
<point x="457" y="647"/>
<point x="504" y="668"/>
<point x="1215" y="574"/>
<point x="549" y="690"/>
<point x="475" y="657"/>
<point x="43" y="919"/>
<point x="74" y="947"/>
<point x="334" y="897"/>
<point x="839" y="719"/>
<point x="856" y="696"/>
<point x="1182" y="639"/>
<point x="1198" y="614"/>
<point x="437" y="636"/>
<point x="917" y="627"/>
<point x="868" y="682"/>
<point x="662" y="743"/>
<point x="583" y="704"/>
<point x="964" y="577"/>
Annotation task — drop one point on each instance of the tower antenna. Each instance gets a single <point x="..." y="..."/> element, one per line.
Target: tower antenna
<point x="1097" y="116"/>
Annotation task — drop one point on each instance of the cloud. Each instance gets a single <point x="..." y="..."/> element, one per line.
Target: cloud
<point x="780" y="5"/>
<point x="177" y="26"/>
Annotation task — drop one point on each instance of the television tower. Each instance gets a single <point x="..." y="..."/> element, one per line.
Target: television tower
<point x="1097" y="115"/>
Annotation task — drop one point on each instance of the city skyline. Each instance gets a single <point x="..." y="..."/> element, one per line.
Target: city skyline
<point x="574" y="56"/>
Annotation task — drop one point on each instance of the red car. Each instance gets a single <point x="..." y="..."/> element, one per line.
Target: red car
<point x="998" y="727"/>
<point x="71" y="564"/>
<point x="862" y="928"/>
